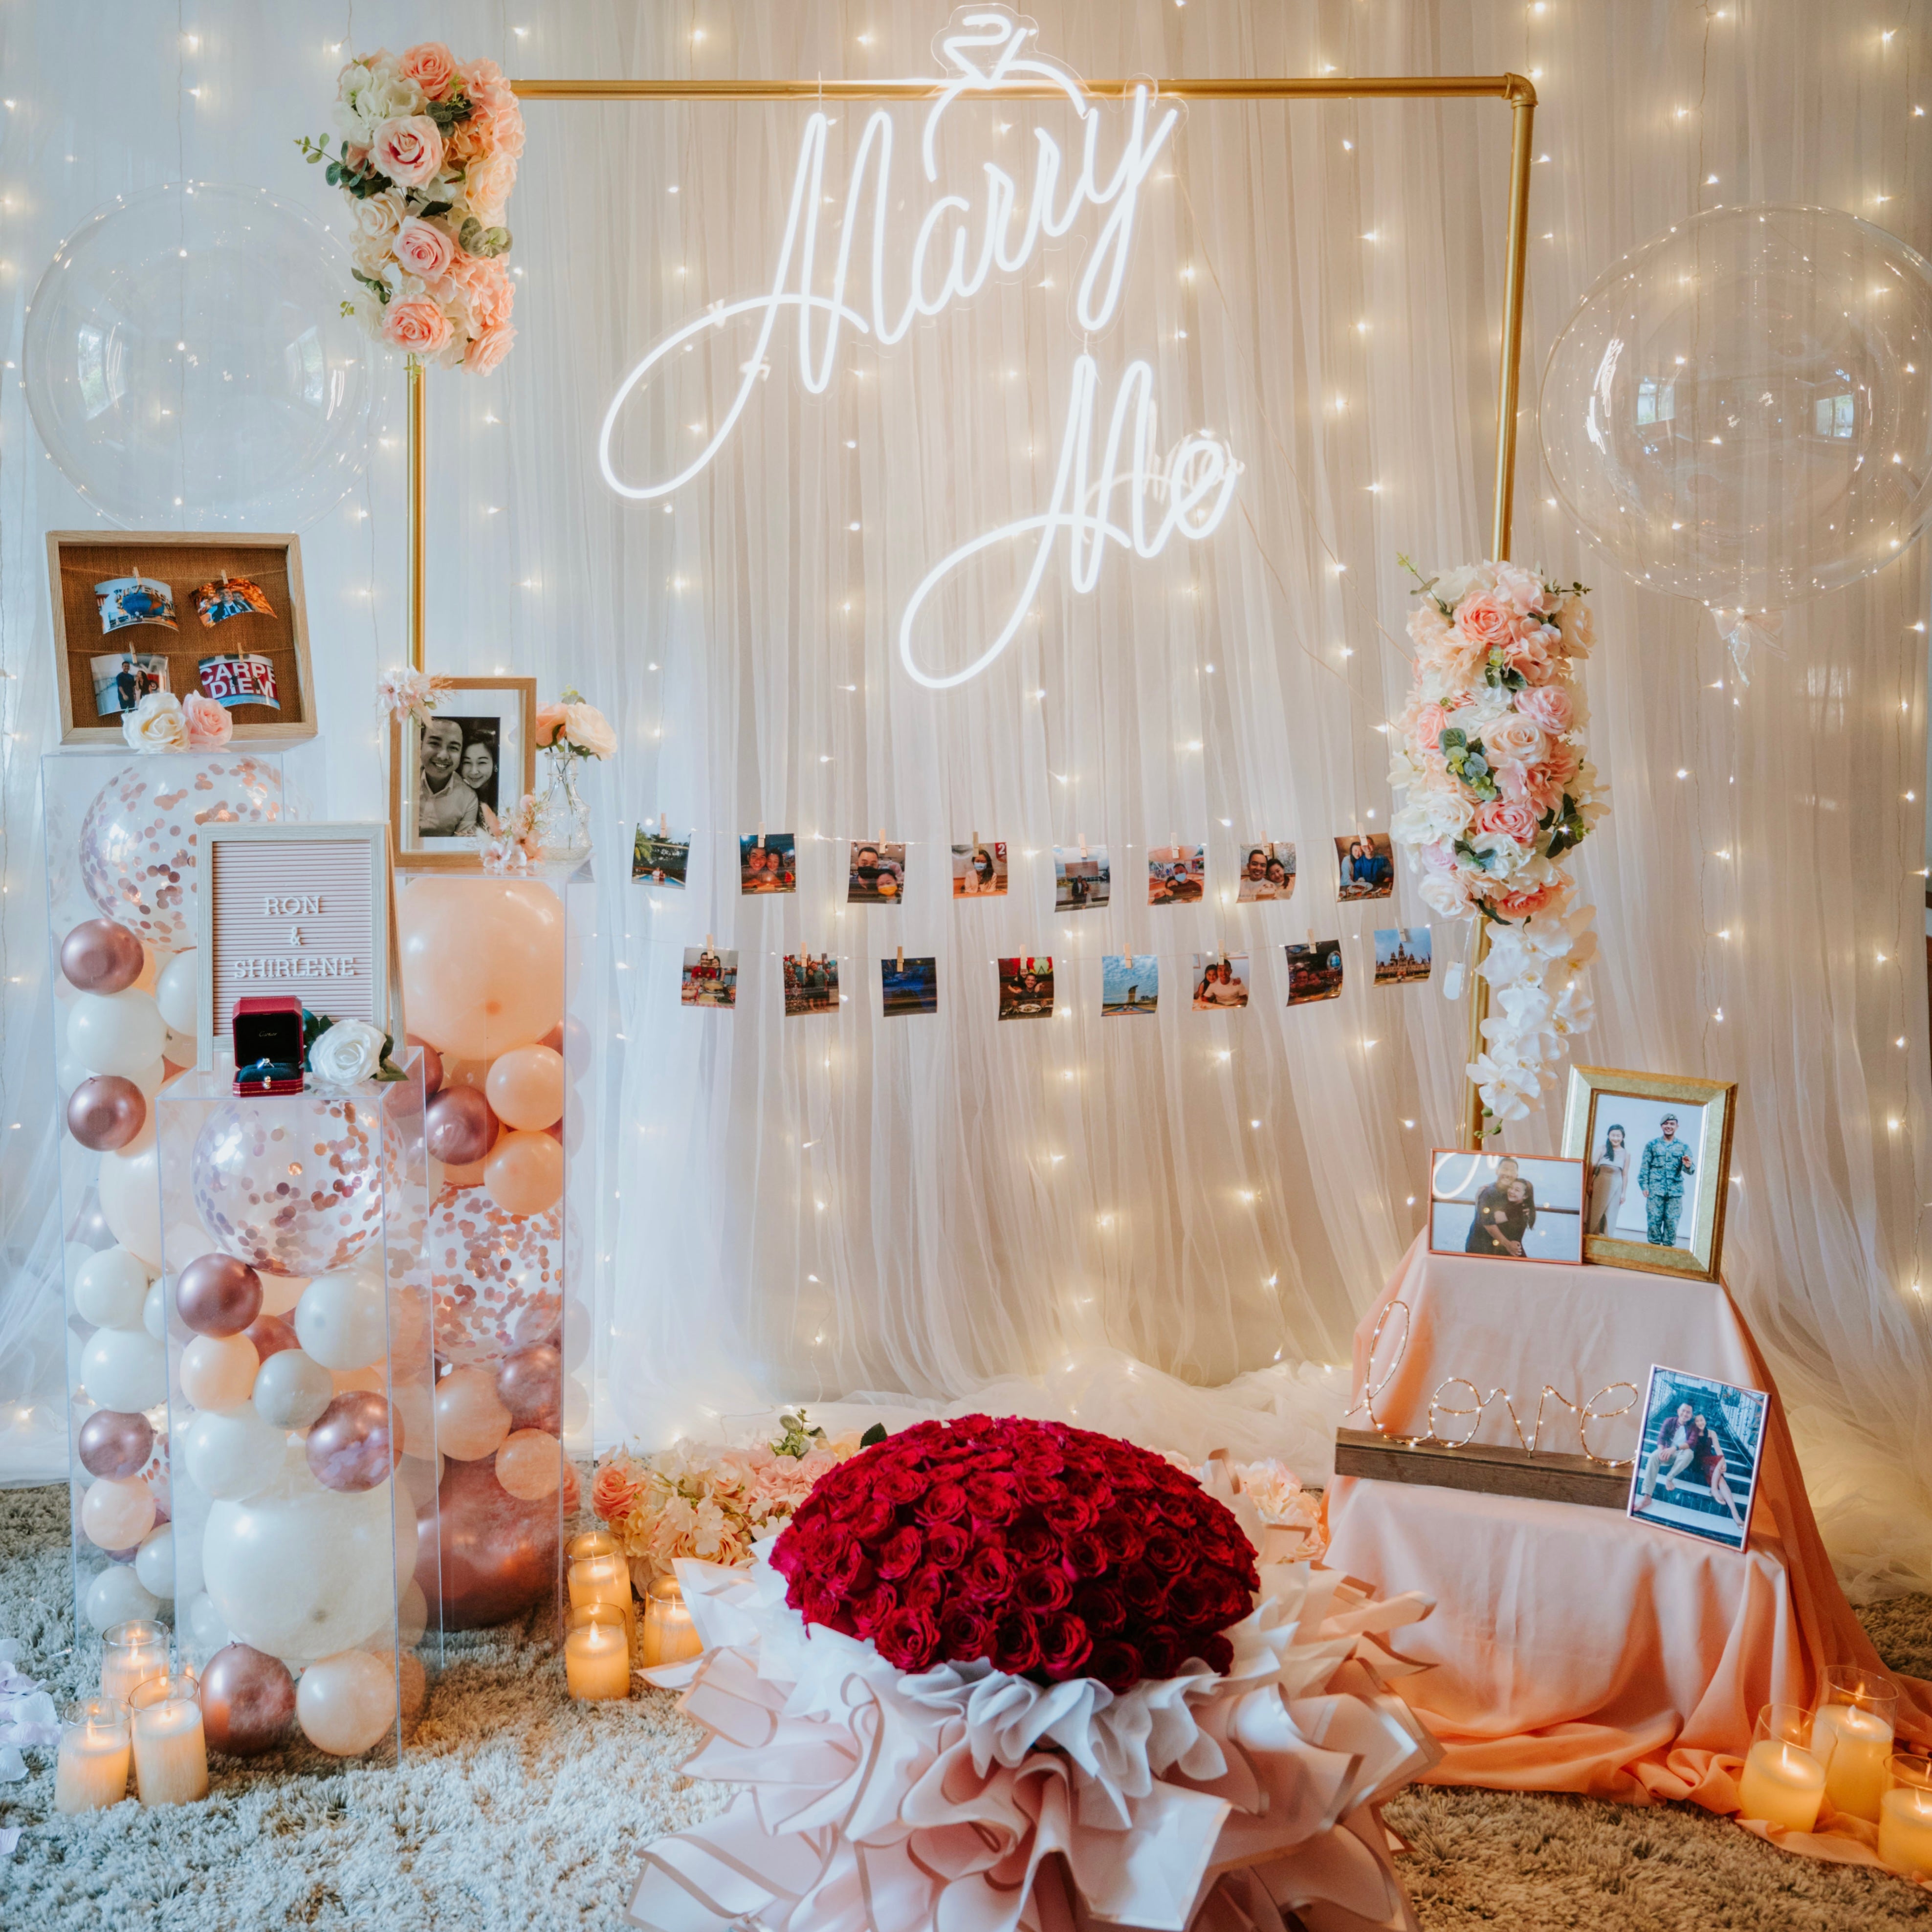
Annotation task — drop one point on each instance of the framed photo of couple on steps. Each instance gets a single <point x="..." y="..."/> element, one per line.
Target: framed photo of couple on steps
<point x="1657" y="1155"/>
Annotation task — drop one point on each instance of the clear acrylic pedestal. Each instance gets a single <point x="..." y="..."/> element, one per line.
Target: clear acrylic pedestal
<point x="303" y="1447"/>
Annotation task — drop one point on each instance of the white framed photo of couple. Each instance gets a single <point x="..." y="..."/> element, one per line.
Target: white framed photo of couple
<point x="1510" y="1207"/>
<point x="477" y="754"/>
<point x="1697" y="1459"/>
<point x="1657" y="1148"/>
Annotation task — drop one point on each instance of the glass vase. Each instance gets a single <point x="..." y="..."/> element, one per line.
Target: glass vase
<point x="563" y="819"/>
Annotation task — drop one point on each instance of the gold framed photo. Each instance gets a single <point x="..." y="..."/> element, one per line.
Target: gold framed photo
<point x="1657" y="1154"/>
<point x="478" y="751"/>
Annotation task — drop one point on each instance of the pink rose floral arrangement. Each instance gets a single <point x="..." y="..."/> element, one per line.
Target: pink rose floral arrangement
<point x="709" y="1500"/>
<point x="1489" y="754"/>
<point x="427" y="154"/>
<point x="1050" y="1552"/>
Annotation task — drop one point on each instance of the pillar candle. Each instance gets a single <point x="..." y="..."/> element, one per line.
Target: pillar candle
<point x="1855" y="1747"/>
<point x="597" y="1659"/>
<point x="1782" y="1784"/>
<point x="170" y="1750"/>
<point x="91" y="1770"/>
<point x="669" y="1636"/>
<point x="1905" y="1830"/>
<point x="130" y="1654"/>
<point x="601" y="1580"/>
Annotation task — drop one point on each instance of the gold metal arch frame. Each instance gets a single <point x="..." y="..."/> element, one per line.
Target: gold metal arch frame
<point x="1514" y="92"/>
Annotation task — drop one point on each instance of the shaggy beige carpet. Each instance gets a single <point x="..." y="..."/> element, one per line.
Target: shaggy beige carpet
<point x="516" y="1808"/>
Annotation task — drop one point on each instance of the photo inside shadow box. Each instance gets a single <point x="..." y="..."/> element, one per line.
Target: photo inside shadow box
<point x="1657" y="1149"/>
<point x="1510" y="1207"/>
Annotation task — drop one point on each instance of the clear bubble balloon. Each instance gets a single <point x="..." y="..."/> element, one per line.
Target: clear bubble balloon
<point x="497" y="1278"/>
<point x="1741" y="410"/>
<point x="188" y="363"/>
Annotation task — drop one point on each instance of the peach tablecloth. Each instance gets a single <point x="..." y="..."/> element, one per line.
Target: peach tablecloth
<point x="1574" y="1649"/>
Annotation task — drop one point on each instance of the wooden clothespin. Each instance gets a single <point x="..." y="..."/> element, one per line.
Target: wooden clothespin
<point x="1083" y="848"/>
<point x="976" y="839"/>
<point x="708" y="946"/>
<point x="901" y="964"/>
<point x="761" y="834"/>
<point x="663" y="826"/>
<point x="882" y="842"/>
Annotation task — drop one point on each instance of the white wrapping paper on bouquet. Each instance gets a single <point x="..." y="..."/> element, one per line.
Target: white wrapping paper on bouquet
<point x="964" y="1799"/>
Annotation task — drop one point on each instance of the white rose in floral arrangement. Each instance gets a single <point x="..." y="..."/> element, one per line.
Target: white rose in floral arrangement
<point x="377" y="215"/>
<point x="156" y="723"/>
<point x="349" y="1051"/>
<point x="588" y="730"/>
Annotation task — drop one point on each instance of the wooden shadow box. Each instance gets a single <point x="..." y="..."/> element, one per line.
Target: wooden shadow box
<point x="77" y="560"/>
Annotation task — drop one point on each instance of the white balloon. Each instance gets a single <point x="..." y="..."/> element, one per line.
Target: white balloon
<point x="280" y="1292"/>
<point x="231" y="1453"/>
<point x="116" y="1033"/>
<point x="131" y="1195"/>
<point x="576" y="1406"/>
<point x="292" y="1389"/>
<point x="205" y="1627"/>
<point x="154" y="1561"/>
<point x="69" y="1073"/>
<point x="125" y="1369"/>
<point x="175" y="993"/>
<point x="301" y="1577"/>
<point x="118" y="1596"/>
<point x="150" y="1079"/>
<point x="341" y="1320"/>
<point x="110" y="1288"/>
<point x="155" y="1312"/>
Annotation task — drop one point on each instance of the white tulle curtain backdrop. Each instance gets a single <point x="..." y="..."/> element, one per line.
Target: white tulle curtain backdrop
<point x="1165" y="1228"/>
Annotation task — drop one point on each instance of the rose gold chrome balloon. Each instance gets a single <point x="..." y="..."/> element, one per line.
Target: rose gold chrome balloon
<point x="217" y="1294"/>
<point x="356" y="1443"/>
<point x="106" y="1112"/>
<point x="100" y="956"/>
<point x="248" y="1698"/>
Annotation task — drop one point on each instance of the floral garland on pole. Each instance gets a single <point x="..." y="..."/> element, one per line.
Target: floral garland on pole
<point x="1491" y="754"/>
<point x="427" y="157"/>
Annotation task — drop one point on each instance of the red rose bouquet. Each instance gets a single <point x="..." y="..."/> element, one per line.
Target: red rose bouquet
<point x="1050" y="1552"/>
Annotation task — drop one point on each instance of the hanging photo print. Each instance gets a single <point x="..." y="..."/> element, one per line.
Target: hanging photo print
<point x="1026" y="989"/>
<point x="910" y="985"/>
<point x="768" y="862"/>
<point x="134" y="600"/>
<point x="1129" y="983"/>
<point x="229" y="597"/>
<point x="810" y="984"/>
<point x="878" y="875"/>
<point x="659" y="859"/>
<point x="1512" y="1208"/>
<point x="1402" y="954"/>
<point x="1366" y="864"/>
<point x="979" y="871"/>
<point x="1177" y="874"/>
<point x="1314" y="971"/>
<point x="1697" y="1460"/>
<point x="121" y="681"/>
<point x="244" y="679"/>
<point x="1268" y="870"/>
<point x="1220" y="981"/>
<point x="1080" y="878"/>
<point x="710" y="979"/>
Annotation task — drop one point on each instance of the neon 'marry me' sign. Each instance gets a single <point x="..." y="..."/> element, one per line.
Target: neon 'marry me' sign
<point x="949" y="263"/>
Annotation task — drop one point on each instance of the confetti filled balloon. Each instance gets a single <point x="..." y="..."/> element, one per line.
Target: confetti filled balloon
<point x="483" y="1554"/>
<point x="525" y="1087"/>
<point x="347" y="1704"/>
<point x="295" y="1184"/>
<point x="218" y="1295"/>
<point x="247" y="1699"/>
<point x="497" y="1278"/>
<point x="106" y="1112"/>
<point x="99" y="956"/>
<point x="111" y="1442"/>
<point x="356" y="1442"/>
<point x="524" y="1173"/>
<point x="138" y="841"/>
<point x="482" y="963"/>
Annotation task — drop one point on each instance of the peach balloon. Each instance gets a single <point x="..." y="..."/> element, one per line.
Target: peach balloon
<point x="469" y="1174"/>
<point x="524" y="1173"/>
<point x="482" y="963"/>
<point x="466" y="1073"/>
<point x="346" y="1379"/>
<point x="280" y="1292"/>
<point x="218" y="1371"/>
<point x="526" y="1086"/>
<point x="471" y="1421"/>
<point x="529" y="1465"/>
<point x="347" y="1704"/>
<point x="117" y="1512"/>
